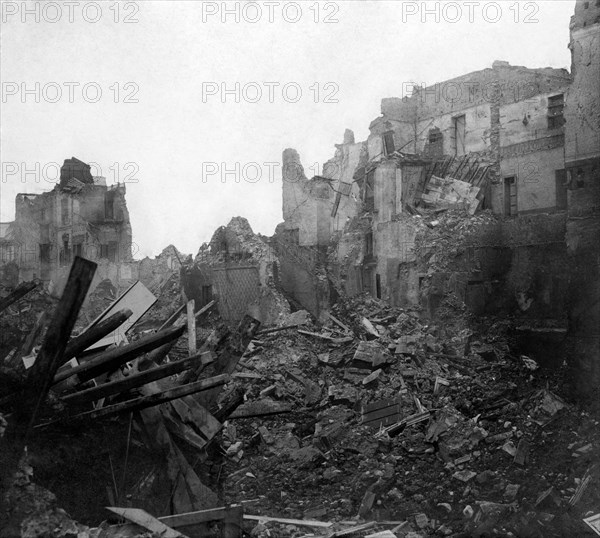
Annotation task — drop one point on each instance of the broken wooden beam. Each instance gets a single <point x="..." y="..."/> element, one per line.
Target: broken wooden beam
<point x="53" y="347"/>
<point x="398" y="428"/>
<point x="191" y="327"/>
<point x="382" y="413"/>
<point x="192" y="413"/>
<point x="231" y="516"/>
<point x="146" y="521"/>
<point x="339" y="323"/>
<point x="260" y="408"/>
<point x="153" y="399"/>
<point x="277" y="329"/>
<point x="231" y="402"/>
<point x="286" y="521"/>
<point x="235" y="345"/>
<point x="343" y="340"/>
<point x="193" y="518"/>
<point x="116" y="357"/>
<point x="354" y="530"/>
<point x="157" y="355"/>
<point x="229" y="352"/>
<point x="172" y="318"/>
<point x="80" y="343"/>
<point x="20" y="291"/>
<point x="121" y="386"/>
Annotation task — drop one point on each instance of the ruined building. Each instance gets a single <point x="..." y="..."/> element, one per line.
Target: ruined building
<point x="484" y="187"/>
<point x="81" y="216"/>
<point x="240" y="270"/>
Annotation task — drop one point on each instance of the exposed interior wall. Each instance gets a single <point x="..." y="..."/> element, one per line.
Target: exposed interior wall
<point x="306" y="203"/>
<point x="582" y="161"/>
<point x="535" y="176"/>
<point x="341" y="169"/>
<point x="582" y="111"/>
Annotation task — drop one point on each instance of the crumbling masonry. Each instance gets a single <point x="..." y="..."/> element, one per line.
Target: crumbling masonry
<point x="498" y="173"/>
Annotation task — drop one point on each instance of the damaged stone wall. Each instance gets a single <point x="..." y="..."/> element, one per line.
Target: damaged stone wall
<point x="582" y="160"/>
<point x="81" y="216"/>
<point x="302" y="273"/>
<point x="306" y="202"/>
<point x="504" y="114"/>
<point x="240" y="270"/>
<point x="341" y="169"/>
<point x="153" y="272"/>
<point x="582" y="110"/>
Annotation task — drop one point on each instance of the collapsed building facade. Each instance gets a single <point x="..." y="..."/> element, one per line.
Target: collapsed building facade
<point x="81" y="216"/>
<point x="240" y="270"/>
<point x="516" y="152"/>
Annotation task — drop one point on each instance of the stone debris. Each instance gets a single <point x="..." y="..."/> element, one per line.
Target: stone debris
<point x="442" y="428"/>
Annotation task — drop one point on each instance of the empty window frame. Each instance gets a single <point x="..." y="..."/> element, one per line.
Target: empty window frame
<point x="388" y="143"/>
<point x="436" y="142"/>
<point x="109" y="206"/>
<point x="510" y="196"/>
<point x="556" y="108"/>
<point x="370" y="191"/>
<point x="459" y="131"/>
<point x="369" y="244"/>
<point x="64" y="211"/>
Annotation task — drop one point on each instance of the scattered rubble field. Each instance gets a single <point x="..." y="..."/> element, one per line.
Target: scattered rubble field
<point x="372" y="421"/>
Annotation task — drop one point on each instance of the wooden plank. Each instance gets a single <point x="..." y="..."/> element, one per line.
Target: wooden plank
<point x="145" y="520"/>
<point x="157" y="355"/>
<point x="285" y="521"/>
<point x="138" y="299"/>
<point x="277" y="329"/>
<point x="116" y="357"/>
<point x="42" y="372"/>
<point x="339" y="323"/>
<point x="229" y="353"/>
<point x="121" y="386"/>
<point x="80" y="343"/>
<point x="260" y="408"/>
<point x="382" y="415"/>
<point x="154" y="399"/>
<point x="353" y="530"/>
<point x="172" y="318"/>
<point x="191" y="327"/>
<point x="20" y="291"/>
<point x="193" y="518"/>
<point x="231" y="402"/>
<point x="197" y="416"/>
<point x="343" y="340"/>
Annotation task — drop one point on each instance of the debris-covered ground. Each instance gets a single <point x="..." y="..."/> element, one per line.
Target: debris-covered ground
<point x="492" y="447"/>
<point x="373" y="421"/>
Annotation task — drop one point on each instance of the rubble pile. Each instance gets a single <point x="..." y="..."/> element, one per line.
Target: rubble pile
<point x="66" y="386"/>
<point x="445" y="235"/>
<point x="436" y="429"/>
<point x="238" y="263"/>
<point x="373" y="421"/>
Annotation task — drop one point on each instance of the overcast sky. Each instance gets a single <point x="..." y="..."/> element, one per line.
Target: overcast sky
<point x="136" y="87"/>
